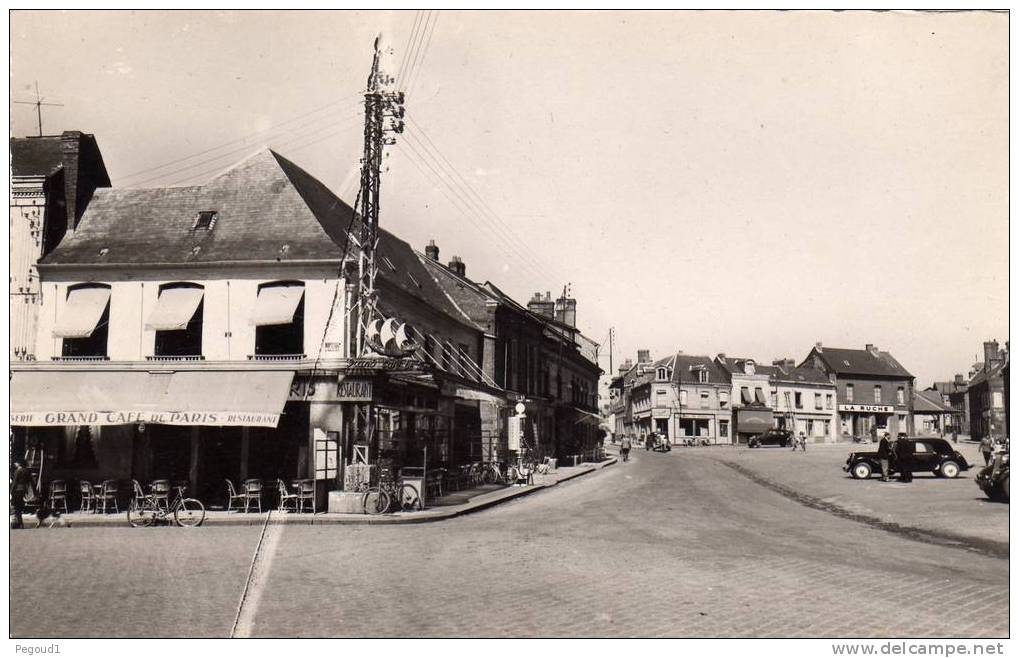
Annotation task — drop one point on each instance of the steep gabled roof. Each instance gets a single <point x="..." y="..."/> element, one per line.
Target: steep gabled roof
<point x="685" y="367"/>
<point x="986" y="374"/>
<point x="267" y="209"/>
<point x="804" y="374"/>
<point x="860" y="362"/>
<point x="737" y="365"/>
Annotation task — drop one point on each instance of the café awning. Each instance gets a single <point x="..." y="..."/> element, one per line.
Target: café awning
<point x="174" y="309"/>
<point x="276" y="305"/>
<point x="82" y="312"/>
<point x="219" y="398"/>
<point x="587" y="417"/>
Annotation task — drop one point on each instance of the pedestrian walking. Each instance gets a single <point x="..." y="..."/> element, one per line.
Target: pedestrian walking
<point x="624" y="448"/>
<point x="803" y="442"/>
<point x="987" y="449"/>
<point x="884" y="454"/>
<point x="19" y="489"/>
<point x="904" y="459"/>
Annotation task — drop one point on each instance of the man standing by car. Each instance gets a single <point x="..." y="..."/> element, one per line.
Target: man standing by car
<point x="904" y="459"/>
<point x="987" y="449"/>
<point x="884" y="453"/>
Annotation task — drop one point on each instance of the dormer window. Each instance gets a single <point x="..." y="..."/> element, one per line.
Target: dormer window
<point x="663" y="374"/>
<point x="206" y="220"/>
<point x="702" y="376"/>
<point x="749" y="368"/>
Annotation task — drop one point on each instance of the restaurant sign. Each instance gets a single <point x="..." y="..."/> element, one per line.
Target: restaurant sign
<point x="868" y="408"/>
<point x="350" y="389"/>
<point x="218" y="418"/>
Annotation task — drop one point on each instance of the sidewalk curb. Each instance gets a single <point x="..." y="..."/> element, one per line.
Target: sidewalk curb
<point x="428" y="516"/>
<point x="986" y="547"/>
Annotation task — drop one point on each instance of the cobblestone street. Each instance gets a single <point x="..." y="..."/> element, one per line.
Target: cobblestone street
<point x="665" y="545"/>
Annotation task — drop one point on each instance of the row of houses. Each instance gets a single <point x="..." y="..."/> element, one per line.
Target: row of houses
<point x="978" y="400"/>
<point x="205" y="332"/>
<point x="831" y="394"/>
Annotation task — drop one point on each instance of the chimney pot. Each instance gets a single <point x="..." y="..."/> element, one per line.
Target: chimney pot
<point x="432" y="250"/>
<point x="818" y="346"/>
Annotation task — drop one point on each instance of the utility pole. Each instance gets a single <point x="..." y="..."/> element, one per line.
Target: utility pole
<point x="612" y="331"/>
<point x="383" y="116"/>
<point x="38" y="102"/>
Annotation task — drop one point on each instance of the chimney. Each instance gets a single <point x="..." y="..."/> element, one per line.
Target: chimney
<point x="959" y="381"/>
<point x="626" y="365"/>
<point x="818" y="346"/>
<point x="566" y="311"/>
<point x="872" y="349"/>
<point x="541" y="306"/>
<point x="721" y="356"/>
<point x="991" y="357"/>
<point x="432" y="251"/>
<point x="643" y="356"/>
<point x="457" y="267"/>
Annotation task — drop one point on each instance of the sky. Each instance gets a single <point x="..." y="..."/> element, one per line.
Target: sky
<point x="741" y="182"/>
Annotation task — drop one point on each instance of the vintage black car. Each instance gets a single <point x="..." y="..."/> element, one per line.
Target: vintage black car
<point x="993" y="478"/>
<point x="772" y="437"/>
<point x="934" y="455"/>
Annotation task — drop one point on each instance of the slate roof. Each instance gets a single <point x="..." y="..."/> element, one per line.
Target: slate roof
<point x="803" y="374"/>
<point x="984" y="375"/>
<point x="861" y="362"/>
<point x="929" y="402"/>
<point x="36" y="156"/>
<point x="736" y="365"/>
<point x="471" y="298"/>
<point x="267" y="209"/>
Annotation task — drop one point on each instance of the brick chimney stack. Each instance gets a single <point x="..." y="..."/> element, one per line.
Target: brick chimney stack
<point x="872" y="349"/>
<point x="432" y="251"/>
<point x="542" y="305"/>
<point x="457" y="267"/>
<point x="643" y="356"/>
<point x="566" y="311"/>
<point x="991" y="355"/>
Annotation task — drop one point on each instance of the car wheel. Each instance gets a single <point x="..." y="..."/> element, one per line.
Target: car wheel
<point x="948" y="469"/>
<point x="862" y="470"/>
<point x="1004" y="488"/>
<point x="752" y="443"/>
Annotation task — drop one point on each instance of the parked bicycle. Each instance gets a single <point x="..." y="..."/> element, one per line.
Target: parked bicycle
<point x="492" y="473"/>
<point x="391" y="495"/>
<point x="146" y="509"/>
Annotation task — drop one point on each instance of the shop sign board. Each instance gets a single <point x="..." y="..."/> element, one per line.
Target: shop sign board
<point x="220" y="418"/>
<point x="516" y="430"/>
<point x="868" y="408"/>
<point x="350" y="389"/>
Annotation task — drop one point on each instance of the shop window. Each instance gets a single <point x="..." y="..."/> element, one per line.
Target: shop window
<point x="85" y="323"/>
<point x="900" y="395"/>
<point x="723" y="428"/>
<point x="877" y="393"/>
<point x="178" y="319"/>
<point x="279" y="320"/>
<point x="849" y="392"/>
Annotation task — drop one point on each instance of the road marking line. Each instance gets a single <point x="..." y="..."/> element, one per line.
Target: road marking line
<point x="258" y="574"/>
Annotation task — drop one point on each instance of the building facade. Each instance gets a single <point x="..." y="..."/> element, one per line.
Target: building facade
<point x="986" y="394"/>
<point x="52" y="180"/>
<point x="205" y="332"/>
<point x="874" y="392"/>
<point x="804" y="400"/>
<point x="751" y="404"/>
<point x="682" y="398"/>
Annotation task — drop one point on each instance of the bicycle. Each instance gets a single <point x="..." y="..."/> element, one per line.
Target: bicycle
<point x="146" y="510"/>
<point x="383" y="497"/>
<point x="492" y="473"/>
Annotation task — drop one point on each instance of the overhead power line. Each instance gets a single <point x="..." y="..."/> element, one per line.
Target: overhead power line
<point x="238" y="140"/>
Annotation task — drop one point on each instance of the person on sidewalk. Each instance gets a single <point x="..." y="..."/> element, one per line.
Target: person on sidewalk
<point x="884" y="454"/>
<point x="19" y="489"/>
<point x="987" y="449"/>
<point x="904" y="460"/>
<point x="624" y="448"/>
<point x="803" y="442"/>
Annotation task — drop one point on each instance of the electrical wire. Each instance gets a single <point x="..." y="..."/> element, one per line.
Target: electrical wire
<point x="416" y="72"/>
<point x="135" y="174"/>
<point x="406" y="51"/>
